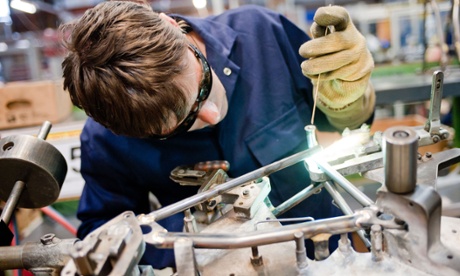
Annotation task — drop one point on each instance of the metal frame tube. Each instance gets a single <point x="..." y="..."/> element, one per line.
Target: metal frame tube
<point x="36" y="255"/>
<point x="343" y="205"/>
<point x="344" y="183"/>
<point x="337" y="225"/>
<point x="296" y="199"/>
<point x="220" y="189"/>
<point x="11" y="257"/>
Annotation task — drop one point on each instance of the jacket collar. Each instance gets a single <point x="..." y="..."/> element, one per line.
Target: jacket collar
<point x="219" y="40"/>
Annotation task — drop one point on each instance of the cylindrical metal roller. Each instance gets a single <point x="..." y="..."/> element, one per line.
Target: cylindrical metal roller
<point x="400" y="159"/>
<point x="36" y="163"/>
<point x="30" y="255"/>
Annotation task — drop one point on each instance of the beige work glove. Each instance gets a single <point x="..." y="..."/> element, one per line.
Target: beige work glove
<point x="339" y="66"/>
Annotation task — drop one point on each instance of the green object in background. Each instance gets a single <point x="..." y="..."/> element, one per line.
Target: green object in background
<point x="389" y="70"/>
<point x="67" y="208"/>
<point x="456" y="121"/>
<point x="415" y="68"/>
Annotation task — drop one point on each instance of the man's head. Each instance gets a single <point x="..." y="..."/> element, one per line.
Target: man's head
<point x="124" y="68"/>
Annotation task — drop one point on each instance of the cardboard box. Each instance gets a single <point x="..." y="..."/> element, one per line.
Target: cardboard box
<point x="27" y="221"/>
<point x="31" y="103"/>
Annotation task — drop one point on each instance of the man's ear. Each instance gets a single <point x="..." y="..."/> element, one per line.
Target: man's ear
<point x="169" y="19"/>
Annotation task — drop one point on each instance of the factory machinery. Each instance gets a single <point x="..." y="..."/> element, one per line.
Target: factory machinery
<point x="232" y="229"/>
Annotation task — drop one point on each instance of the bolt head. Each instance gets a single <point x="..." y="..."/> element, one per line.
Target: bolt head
<point x="47" y="239"/>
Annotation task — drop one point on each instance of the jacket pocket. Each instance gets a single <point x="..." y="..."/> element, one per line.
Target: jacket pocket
<point x="280" y="137"/>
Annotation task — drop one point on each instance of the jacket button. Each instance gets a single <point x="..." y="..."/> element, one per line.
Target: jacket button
<point x="227" y="71"/>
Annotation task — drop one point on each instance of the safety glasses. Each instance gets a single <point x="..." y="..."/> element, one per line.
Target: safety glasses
<point x="203" y="93"/>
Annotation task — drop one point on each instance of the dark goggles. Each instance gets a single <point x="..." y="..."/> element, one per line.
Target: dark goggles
<point x="203" y="93"/>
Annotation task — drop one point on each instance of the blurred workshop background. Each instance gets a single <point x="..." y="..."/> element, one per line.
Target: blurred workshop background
<point x="409" y="40"/>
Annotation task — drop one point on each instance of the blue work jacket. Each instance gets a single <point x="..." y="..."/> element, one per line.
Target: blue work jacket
<point x="254" y="52"/>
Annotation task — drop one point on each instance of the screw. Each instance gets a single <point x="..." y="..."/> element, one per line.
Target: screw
<point x="211" y="204"/>
<point x="245" y="192"/>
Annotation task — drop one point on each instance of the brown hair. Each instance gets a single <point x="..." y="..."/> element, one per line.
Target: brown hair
<point x="122" y="68"/>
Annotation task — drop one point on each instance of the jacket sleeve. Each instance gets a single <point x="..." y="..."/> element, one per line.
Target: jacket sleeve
<point x="109" y="189"/>
<point x="113" y="186"/>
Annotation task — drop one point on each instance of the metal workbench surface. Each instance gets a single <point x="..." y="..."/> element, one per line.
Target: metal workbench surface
<point x="413" y="87"/>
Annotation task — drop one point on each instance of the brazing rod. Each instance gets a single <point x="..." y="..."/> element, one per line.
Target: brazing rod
<point x="189" y="202"/>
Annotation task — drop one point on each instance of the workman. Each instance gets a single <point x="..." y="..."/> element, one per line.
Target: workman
<point x="168" y="90"/>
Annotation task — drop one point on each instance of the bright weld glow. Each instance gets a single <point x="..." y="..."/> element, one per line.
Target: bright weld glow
<point x="346" y="143"/>
<point x="199" y="4"/>
<point x="23" y="44"/>
<point x="3" y="47"/>
<point x="23" y="6"/>
<point x="346" y="148"/>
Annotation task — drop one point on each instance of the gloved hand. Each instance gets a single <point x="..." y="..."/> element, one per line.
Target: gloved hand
<point x="340" y="64"/>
